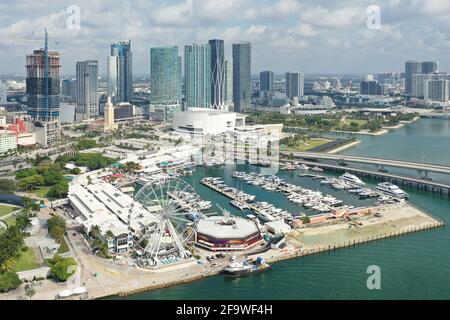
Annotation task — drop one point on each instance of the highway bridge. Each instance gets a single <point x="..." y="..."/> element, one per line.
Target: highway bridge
<point x="341" y="163"/>
<point x="421" y="168"/>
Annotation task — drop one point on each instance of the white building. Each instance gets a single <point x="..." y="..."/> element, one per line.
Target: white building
<point x="207" y="122"/>
<point x="8" y="141"/>
<point x="101" y="204"/>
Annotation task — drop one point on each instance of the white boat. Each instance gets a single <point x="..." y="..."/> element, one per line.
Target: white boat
<point x="392" y="190"/>
<point x="263" y="215"/>
<point x="303" y="167"/>
<point x="352" y="179"/>
<point x="317" y="169"/>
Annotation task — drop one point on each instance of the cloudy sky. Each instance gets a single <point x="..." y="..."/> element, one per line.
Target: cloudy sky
<point x="314" y="36"/>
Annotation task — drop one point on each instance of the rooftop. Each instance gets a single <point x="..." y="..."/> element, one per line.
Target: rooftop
<point x="220" y="227"/>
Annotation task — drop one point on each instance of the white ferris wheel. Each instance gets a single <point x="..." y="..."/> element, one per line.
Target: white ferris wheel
<point x="165" y="240"/>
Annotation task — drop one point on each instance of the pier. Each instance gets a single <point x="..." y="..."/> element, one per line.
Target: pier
<point x="421" y="183"/>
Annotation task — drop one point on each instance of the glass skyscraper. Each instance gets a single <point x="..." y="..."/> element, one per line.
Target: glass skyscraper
<point x="87" y="96"/>
<point x="241" y="76"/>
<point x="429" y="67"/>
<point x="411" y="68"/>
<point x="120" y="72"/>
<point x="217" y="73"/>
<point x="266" y="80"/>
<point x="228" y="82"/>
<point x="197" y="75"/>
<point x="165" y="75"/>
<point x="295" y="84"/>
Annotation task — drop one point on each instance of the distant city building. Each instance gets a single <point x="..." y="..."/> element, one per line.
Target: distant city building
<point x="69" y="90"/>
<point x="120" y="72"/>
<point x="165" y="76"/>
<point x="428" y="67"/>
<point x="197" y="76"/>
<point x="8" y="141"/>
<point x="242" y="61"/>
<point x="295" y="85"/>
<point x="266" y="80"/>
<point x="229" y="82"/>
<point x="411" y="67"/>
<point x="124" y="111"/>
<point x="67" y="112"/>
<point x="370" y="88"/>
<point x="87" y="90"/>
<point x="217" y="73"/>
<point x="430" y="86"/>
<point x="43" y="94"/>
<point x="3" y="93"/>
<point x="109" y="125"/>
<point x="436" y="87"/>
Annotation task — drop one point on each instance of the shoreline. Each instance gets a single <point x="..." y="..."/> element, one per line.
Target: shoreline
<point x="114" y="280"/>
<point x="345" y="147"/>
<point x="417" y="221"/>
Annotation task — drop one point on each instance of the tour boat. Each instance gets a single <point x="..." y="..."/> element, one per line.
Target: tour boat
<point x="392" y="190"/>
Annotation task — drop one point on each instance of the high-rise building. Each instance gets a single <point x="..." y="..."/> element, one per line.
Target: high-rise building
<point x="295" y="85"/>
<point x="197" y="76"/>
<point x="436" y="87"/>
<point x="120" y="72"/>
<point x="370" y="88"/>
<point x="43" y="93"/>
<point x="87" y="90"/>
<point x="69" y="90"/>
<point x="266" y="81"/>
<point x="3" y="96"/>
<point x="228" y="82"/>
<point x="165" y="75"/>
<point x="411" y="67"/>
<point x="428" y="67"/>
<point x="217" y="73"/>
<point x="242" y="62"/>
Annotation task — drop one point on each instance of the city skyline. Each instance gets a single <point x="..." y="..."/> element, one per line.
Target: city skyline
<point x="288" y="29"/>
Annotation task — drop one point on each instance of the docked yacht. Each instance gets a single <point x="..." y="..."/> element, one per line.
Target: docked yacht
<point x="392" y="190"/>
<point x="241" y="205"/>
<point x="347" y="177"/>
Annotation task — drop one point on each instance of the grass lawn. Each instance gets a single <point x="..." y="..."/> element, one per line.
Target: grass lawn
<point x="41" y="192"/>
<point x="349" y="121"/>
<point x="64" y="247"/>
<point x="312" y="143"/>
<point x="4" y="210"/>
<point x="11" y="221"/>
<point x="26" y="261"/>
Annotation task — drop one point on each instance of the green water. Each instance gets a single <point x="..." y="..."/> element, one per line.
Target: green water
<point x="415" y="266"/>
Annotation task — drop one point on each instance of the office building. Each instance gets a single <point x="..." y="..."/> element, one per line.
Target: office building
<point x="197" y="76"/>
<point x="8" y="141"/>
<point x="229" y="83"/>
<point x="266" y="81"/>
<point x="43" y="90"/>
<point x="217" y="73"/>
<point x="428" y="67"/>
<point x="124" y="111"/>
<point x="411" y="67"/>
<point x="242" y="61"/>
<point x="370" y="88"/>
<point x="87" y="90"/>
<point x="295" y="85"/>
<point x="120" y="72"/>
<point x="3" y="95"/>
<point x="165" y="75"/>
<point x="69" y="90"/>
